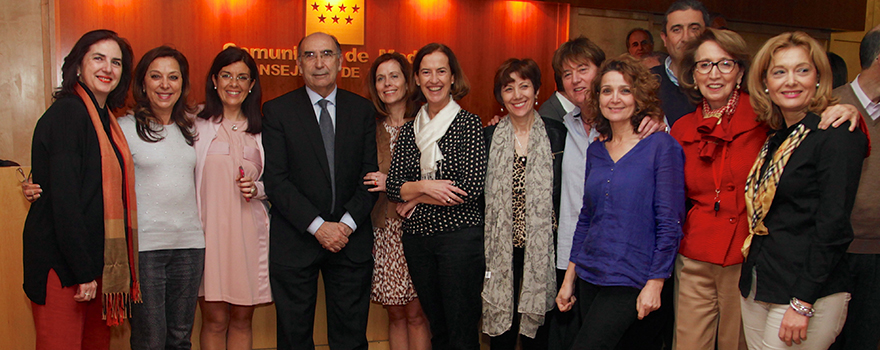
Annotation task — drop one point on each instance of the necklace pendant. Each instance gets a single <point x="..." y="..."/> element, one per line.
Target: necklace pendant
<point x="234" y="127"/>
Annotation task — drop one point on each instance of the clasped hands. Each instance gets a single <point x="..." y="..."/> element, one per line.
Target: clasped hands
<point x="333" y="236"/>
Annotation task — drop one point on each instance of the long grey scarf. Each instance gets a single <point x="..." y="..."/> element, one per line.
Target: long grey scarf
<point x="538" y="286"/>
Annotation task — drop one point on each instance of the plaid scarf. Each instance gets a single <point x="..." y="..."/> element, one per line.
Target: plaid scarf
<point x="760" y="189"/>
<point x="120" y="276"/>
<point x="712" y="133"/>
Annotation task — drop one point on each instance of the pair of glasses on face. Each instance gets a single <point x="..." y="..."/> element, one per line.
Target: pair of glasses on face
<point x="724" y="66"/>
<point x="311" y="56"/>
<point x="22" y="177"/>
<point x="242" y="78"/>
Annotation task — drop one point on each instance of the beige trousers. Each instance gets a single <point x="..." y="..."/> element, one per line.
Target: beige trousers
<point x="707" y="306"/>
<point x="761" y="322"/>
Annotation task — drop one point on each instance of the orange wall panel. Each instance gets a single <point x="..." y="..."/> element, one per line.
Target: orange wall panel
<point x="481" y="33"/>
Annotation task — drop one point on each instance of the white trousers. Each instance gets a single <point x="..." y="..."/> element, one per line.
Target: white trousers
<point x="761" y="322"/>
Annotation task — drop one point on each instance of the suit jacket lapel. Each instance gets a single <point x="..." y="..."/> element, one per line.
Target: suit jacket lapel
<point x="312" y="129"/>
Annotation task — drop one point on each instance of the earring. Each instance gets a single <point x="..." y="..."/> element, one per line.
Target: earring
<point x="249" y="91"/>
<point x="737" y="86"/>
<point x="77" y="74"/>
<point x="766" y="90"/>
<point x="215" y="87"/>
<point x="536" y="102"/>
<point x="817" y="85"/>
<point x="696" y="88"/>
<point x="502" y="109"/>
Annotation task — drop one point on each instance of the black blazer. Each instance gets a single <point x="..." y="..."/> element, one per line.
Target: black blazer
<point x="297" y="176"/>
<point x="64" y="229"/>
<point x="808" y="221"/>
<point x="674" y="102"/>
<point x="552" y="108"/>
<point x="556" y="132"/>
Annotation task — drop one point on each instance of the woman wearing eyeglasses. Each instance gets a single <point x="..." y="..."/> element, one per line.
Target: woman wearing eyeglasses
<point x="720" y="140"/>
<point x="231" y="202"/>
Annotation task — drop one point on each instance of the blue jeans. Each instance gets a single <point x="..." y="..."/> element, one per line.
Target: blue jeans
<point x="169" y="282"/>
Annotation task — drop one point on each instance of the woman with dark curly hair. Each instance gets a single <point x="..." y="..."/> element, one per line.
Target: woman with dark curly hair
<point x="630" y="224"/>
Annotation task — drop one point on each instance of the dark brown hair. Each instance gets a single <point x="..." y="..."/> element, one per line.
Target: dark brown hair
<point x="73" y="62"/>
<point x="526" y="69"/>
<point x="577" y="50"/>
<point x="145" y="119"/>
<point x="460" y="86"/>
<point x="250" y="108"/>
<point x="405" y="69"/>
<point x="644" y="87"/>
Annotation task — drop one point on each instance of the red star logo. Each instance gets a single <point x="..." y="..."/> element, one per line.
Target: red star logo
<point x="329" y="7"/>
<point x="355" y="9"/>
<point x="321" y="18"/>
<point x="335" y="19"/>
<point x="341" y="7"/>
<point x="315" y="6"/>
<point x="348" y="20"/>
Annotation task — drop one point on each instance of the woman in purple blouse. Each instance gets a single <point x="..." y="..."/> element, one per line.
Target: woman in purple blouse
<point x="629" y="228"/>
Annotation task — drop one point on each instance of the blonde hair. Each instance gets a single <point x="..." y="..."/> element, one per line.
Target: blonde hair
<point x="767" y="111"/>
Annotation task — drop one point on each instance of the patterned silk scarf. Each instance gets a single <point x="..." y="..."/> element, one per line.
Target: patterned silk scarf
<point x="538" y="290"/>
<point x="760" y="189"/>
<point x="119" y="279"/>
<point x="712" y="132"/>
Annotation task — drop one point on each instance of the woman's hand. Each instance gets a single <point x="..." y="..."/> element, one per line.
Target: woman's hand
<point x="377" y="179"/>
<point x="443" y="192"/>
<point x="794" y="326"/>
<point x="565" y="298"/>
<point x="86" y="292"/>
<point x="247" y="187"/>
<point x="649" y="297"/>
<point x="836" y="115"/>
<point x="30" y="190"/>
<point x="406" y="209"/>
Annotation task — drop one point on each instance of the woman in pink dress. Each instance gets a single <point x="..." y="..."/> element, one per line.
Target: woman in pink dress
<point x="231" y="203"/>
<point x="392" y="285"/>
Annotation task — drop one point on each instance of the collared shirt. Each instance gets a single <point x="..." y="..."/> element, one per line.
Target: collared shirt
<point x="573" y="164"/>
<point x="566" y="104"/>
<point x="872" y="108"/>
<point x="314" y="97"/>
<point x="629" y="228"/>
<point x="668" y="65"/>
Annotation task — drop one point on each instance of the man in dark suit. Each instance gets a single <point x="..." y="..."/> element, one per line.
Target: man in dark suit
<point x="320" y="143"/>
<point x="684" y="21"/>
<point x="863" y="256"/>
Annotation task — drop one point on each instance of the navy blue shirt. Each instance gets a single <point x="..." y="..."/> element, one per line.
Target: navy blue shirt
<point x="629" y="227"/>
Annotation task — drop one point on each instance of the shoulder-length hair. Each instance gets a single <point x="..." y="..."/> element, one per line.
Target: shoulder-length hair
<point x="644" y="87"/>
<point x="730" y="42"/>
<point x="145" y="118"/>
<point x="525" y="68"/>
<point x="460" y="86"/>
<point x="405" y="70"/>
<point x="73" y="62"/>
<point x="250" y="108"/>
<point x="768" y="112"/>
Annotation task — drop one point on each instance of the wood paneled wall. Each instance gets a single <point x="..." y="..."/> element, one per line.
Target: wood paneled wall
<point x="481" y="33"/>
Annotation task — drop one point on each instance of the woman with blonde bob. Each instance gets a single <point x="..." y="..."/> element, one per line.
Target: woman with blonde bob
<point x="793" y="281"/>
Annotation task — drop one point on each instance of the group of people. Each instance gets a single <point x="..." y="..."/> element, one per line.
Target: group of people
<point x="579" y="225"/>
